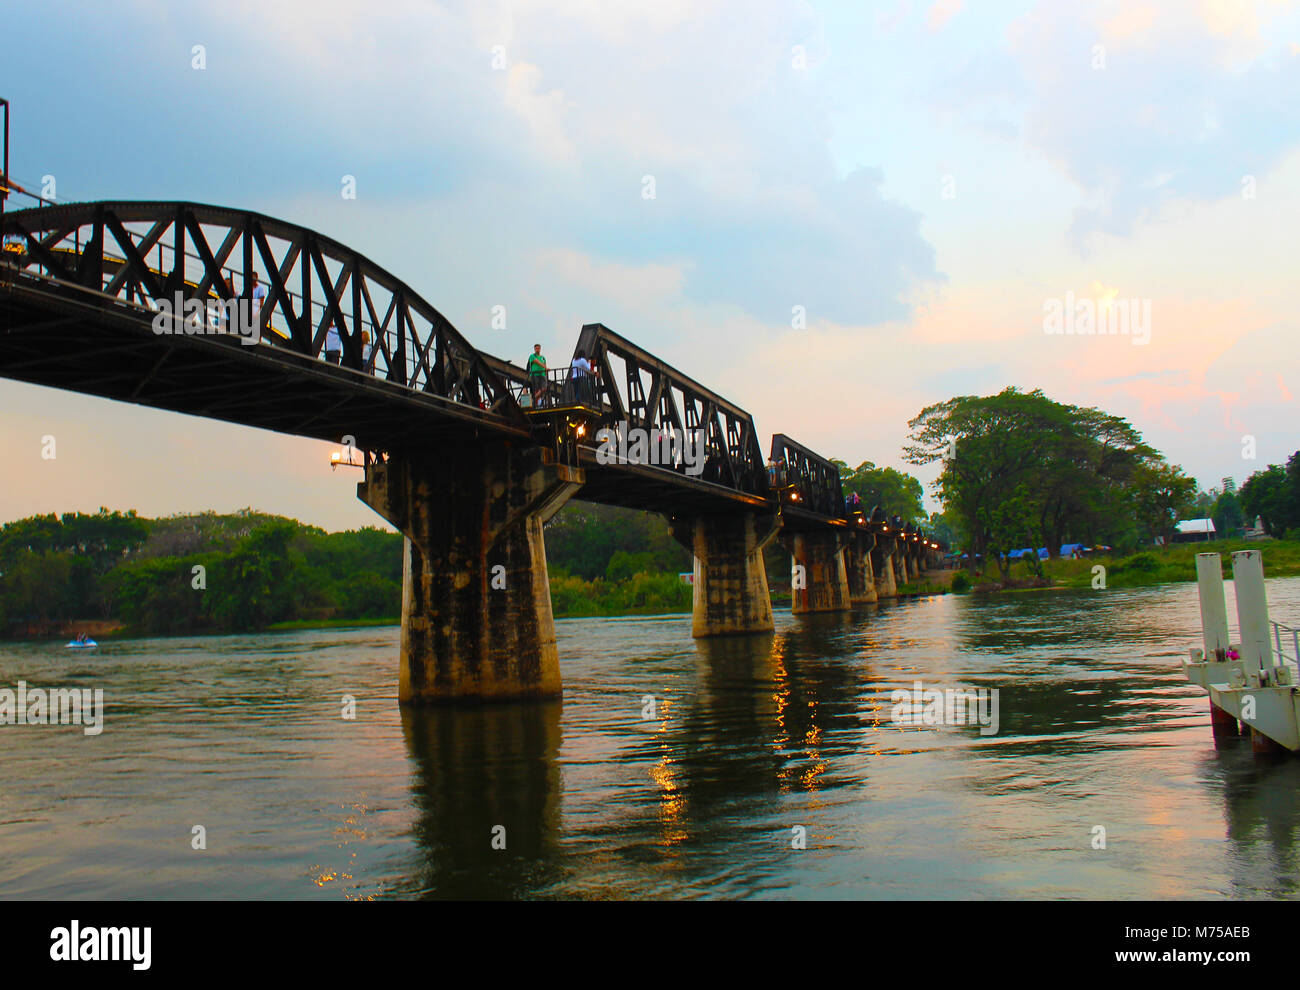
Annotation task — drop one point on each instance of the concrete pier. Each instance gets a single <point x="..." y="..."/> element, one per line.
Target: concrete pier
<point x="882" y="565"/>
<point x="857" y="563"/>
<point x="825" y="581"/>
<point x="476" y="602"/>
<point x="731" y="591"/>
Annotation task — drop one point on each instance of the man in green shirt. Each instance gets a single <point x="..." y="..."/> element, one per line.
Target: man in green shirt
<point x="537" y="374"/>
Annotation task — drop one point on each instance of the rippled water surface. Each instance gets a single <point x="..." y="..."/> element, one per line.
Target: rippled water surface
<point x="748" y="739"/>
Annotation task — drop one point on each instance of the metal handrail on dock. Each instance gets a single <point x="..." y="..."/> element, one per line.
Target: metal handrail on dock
<point x="1294" y="655"/>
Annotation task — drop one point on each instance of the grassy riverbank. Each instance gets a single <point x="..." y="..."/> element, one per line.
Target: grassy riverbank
<point x="1163" y="565"/>
<point x="638" y="594"/>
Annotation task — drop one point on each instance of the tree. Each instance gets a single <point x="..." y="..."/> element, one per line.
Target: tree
<point x="898" y="493"/>
<point x="583" y="537"/>
<point x="1091" y="458"/>
<point x="252" y="587"/>
<point x="1271" y="495"/>
<point x="1162" y="494"/>
<point x="1228" y="517"/>
<point x="1020" y="469"/>
<point x="946" y="530"/>
<point x="104" y="539"/>
<point x="38" y="589"/>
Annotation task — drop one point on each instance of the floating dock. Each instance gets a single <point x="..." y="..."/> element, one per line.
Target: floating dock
<point x="1252" y="683"/>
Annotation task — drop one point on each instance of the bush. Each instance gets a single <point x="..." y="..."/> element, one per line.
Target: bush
<point x="961" y="582"/>
<point x="1138" y="562"/>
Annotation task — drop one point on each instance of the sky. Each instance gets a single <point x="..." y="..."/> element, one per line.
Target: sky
<point x="834" y="215"/>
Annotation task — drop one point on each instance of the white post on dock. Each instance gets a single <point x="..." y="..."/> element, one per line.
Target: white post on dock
<point x="1252" y="611"/>
<point x="1214" y="613"/>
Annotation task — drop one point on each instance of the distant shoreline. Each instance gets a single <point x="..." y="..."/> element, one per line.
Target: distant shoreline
<point x="1146" y="568"/>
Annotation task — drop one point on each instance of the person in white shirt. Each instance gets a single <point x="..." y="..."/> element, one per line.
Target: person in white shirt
<point x="333" y="345"/>
<point x="580" y="370"/>
<point x="259" y="300"/>
<point x="365" y="351"/>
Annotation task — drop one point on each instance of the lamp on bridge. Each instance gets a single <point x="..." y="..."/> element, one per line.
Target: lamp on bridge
<point x="336" y="459"/>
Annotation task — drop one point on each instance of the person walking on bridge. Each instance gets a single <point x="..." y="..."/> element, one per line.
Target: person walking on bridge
<point x="581" y="372"/>
<point x="258" y="292"/>
<point x="333" y="345"/>
<point x="537" y="374"/>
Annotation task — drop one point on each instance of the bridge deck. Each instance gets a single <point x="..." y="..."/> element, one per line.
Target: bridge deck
<point x="65" y="337"/>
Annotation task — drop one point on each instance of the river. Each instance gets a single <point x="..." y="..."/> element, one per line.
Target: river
<point x="673" y="768"/>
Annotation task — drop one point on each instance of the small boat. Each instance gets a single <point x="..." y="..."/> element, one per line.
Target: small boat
<point x="82" y="644"/>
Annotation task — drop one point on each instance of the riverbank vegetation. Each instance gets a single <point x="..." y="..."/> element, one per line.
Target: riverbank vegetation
<point x="190" y="574"/>
<point x="1160" y="565"/>
<point x="1021" y="471"/>
<point x="244" y="571"/>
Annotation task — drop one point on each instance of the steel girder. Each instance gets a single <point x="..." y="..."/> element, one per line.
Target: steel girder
<point x="142" y="253"/>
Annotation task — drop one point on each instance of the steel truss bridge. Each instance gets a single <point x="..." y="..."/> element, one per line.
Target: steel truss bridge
<point x="88" y="295"/>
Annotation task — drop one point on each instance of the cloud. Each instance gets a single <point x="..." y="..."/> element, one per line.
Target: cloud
<point x="941" y="12"/>
<point x="1143" y="106"/>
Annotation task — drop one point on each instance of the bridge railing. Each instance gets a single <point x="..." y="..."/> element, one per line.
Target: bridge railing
<point x="638" y="389"/>
<point x="319" y="295"/>
<point x="809" y="476"/>
<point x="557" y="388"/>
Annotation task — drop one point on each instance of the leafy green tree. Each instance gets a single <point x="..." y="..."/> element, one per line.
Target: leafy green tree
<point x="368" y="595"/>
<point x="38" y="588"/>
<point x="1020" y="470"/>
<point x="583" y="537"/>
<point x="252" y="587"/>
<point x="103" y="539"/>
<point x="1228" y="517"/>
<point x="946" y="530"/>
<point x="623" y="565"/>
<point x="898" y="493"/>
<point x="1090" y="458"/>
<point x="1162" y="494"/>
<point x="1271" y="494"/>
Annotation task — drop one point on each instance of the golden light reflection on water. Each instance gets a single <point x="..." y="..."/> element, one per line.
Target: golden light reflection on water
<point x="350" y="830"/>
<point x="672" y="802"/>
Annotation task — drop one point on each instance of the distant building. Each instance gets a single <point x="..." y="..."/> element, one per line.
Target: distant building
<point x="1192" y="530"/>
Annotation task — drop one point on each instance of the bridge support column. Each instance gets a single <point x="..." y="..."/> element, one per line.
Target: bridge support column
<point x="825" y="579"/>
<point x="882" y="561"/>
<point x="476" y="602"/>
<point x="730" y="591"/>
<point x="901" y="575"/>
<point x="857" y="561"/>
